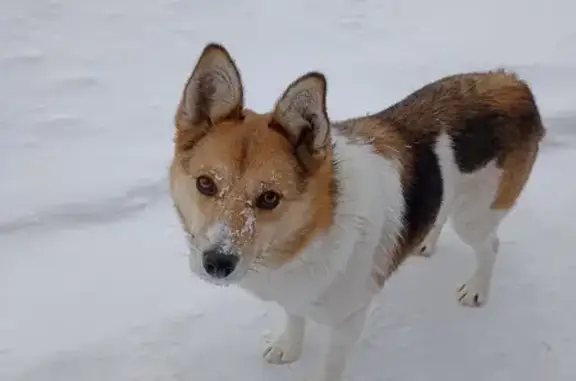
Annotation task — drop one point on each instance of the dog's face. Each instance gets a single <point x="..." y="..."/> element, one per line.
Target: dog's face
<point x="252" y="190"/>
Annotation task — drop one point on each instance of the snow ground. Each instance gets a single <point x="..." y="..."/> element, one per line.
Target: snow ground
<point x="93" y="276"/>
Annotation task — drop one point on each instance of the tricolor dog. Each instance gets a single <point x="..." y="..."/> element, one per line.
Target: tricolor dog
<point x="316" y="215"/>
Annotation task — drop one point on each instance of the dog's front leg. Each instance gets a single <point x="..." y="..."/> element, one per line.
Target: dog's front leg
<point x="288" y="346"/>
<point x="343" y="337"/>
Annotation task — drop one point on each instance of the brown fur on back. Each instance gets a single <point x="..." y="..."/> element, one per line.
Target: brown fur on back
<point x="488" y="115"/>
<point x="497" y="102"/>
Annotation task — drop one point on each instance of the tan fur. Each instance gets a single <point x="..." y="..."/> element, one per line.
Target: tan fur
<point x="516" y="169"/>
<point x="248" y="156"/>
<point x="386" y="142"/>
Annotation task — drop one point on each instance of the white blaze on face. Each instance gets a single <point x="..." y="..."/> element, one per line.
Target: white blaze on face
<point x="226" y="237"/>
<point x="249" y="222"/>
<point x="219" y="234"/>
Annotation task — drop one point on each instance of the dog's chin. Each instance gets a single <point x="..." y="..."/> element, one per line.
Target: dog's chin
<point x="218" y="282"/>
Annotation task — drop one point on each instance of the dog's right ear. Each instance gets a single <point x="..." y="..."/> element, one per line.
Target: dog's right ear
<point x="214" y="91"/>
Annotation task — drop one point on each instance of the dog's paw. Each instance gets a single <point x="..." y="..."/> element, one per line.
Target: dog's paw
<point x="425" y="250"/>
<point x="474" y="293"/>
<point x="428" y="246"/>
<point x="283" y="351"/>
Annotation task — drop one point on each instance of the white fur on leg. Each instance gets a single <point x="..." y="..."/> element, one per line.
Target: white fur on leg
<point x="476" y="224"/>
<point x="288" y="346"/>
<point x="476" y="291"/>
<point x="343" y="337"/>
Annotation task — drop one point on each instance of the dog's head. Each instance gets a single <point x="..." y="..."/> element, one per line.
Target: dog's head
<point x="251" y="190"/>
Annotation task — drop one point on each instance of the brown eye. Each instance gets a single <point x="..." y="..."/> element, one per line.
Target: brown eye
<point x="268" y="200"/>
<point x="206" y="186"/>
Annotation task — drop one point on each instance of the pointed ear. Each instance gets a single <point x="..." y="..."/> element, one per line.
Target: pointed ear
<point x="214" y="90"/>
<point x="301" y="115"/>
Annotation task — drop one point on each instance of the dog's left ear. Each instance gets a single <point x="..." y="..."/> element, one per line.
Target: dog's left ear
<point x="301" y="115"/>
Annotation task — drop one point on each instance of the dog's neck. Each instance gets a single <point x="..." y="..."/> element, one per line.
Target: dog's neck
<point x="358" y="222"/>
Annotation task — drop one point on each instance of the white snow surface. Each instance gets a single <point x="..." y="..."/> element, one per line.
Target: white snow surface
<point x="94" y="283"/>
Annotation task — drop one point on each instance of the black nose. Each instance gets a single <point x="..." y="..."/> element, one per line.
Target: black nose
<point x="218" y="263"/>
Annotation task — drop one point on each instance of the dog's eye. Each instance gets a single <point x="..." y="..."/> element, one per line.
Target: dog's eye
<point x="268" y="200"/>
<point x="206" y="186"/>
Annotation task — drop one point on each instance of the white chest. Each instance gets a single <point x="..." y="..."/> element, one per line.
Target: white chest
<point x="326" y="290"/>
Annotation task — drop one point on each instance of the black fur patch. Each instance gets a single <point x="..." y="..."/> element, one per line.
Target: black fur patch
<point x="423" y="194"/>
<point x="477" y="142"/>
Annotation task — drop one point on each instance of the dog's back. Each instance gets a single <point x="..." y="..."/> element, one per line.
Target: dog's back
<point x="467" y="144"/>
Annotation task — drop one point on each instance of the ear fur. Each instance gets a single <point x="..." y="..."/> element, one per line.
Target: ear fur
<point x="301" y="115"/>
<point x="214" y="91"/>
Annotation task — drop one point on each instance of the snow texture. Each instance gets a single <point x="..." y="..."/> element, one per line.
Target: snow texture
<point x="94" y="283"/>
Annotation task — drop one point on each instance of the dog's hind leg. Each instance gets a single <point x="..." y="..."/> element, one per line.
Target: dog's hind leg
<point x="484" y="203"/>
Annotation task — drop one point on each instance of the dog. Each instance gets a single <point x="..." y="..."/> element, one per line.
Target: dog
<point x="316" y="215"/>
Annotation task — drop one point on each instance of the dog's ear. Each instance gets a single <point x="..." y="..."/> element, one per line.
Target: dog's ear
<point x="301" y="115"/>
<point x="214" y="91"/>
